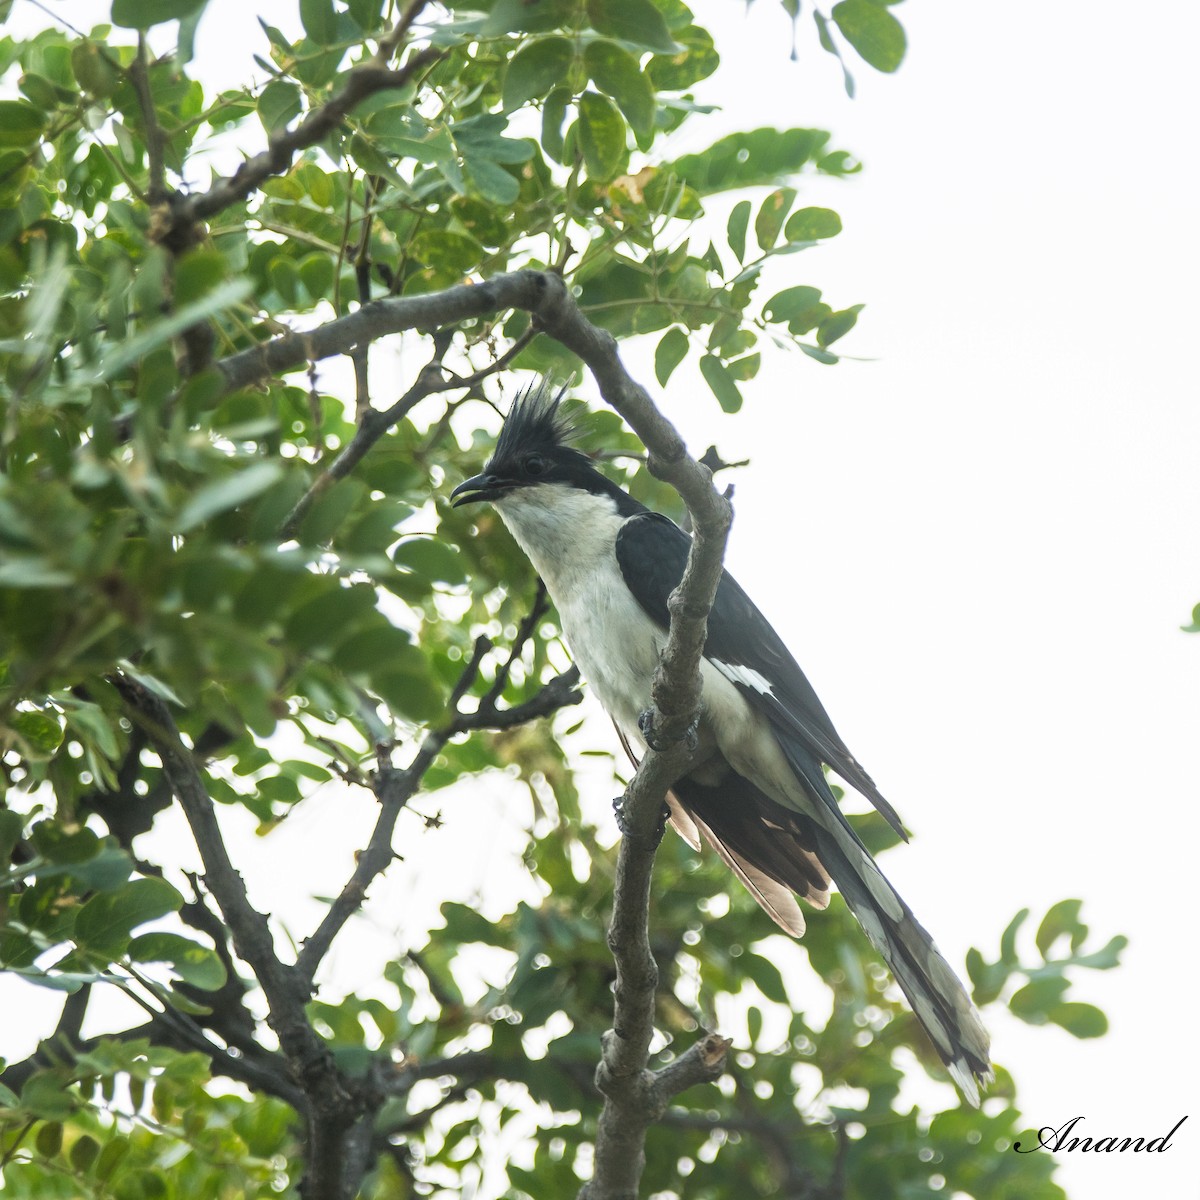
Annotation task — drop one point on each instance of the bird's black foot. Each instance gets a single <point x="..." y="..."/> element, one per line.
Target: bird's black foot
<point x="646" y="726"/>
<point x="623" y="825"/>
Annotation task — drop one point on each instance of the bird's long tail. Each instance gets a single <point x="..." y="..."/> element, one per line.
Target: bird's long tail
<point x="937" y="997"/>
<point x="764" y="842"/>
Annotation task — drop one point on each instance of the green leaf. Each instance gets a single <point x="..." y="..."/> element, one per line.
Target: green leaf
<point x="142" y="14"/>
<point x="1078" y="1019"/>
<point x="615" y="71"/>
<point x="42" y="735"/>
<point x="96" y="74"/>
<point x="316" y="273"/>
<point x="987" y="979"/>
<point x="1008" y="939"/>
<point x="432" y="559"/>
<point x="830" y="47"/>
<point x="872" y="31"/>
<point x="791" y="303"/>
<point x="602" y="136"/>
<point x="49" y="1139"/>
<point x="744" y="368"/>
<point x="32" y="571"/>
<point x="721" y="383"/>
<point x="465" y="924"/>
<point x="837" y="325"/>
<point x="366" y="13"/>
<point x="1104" y="959"/>
<point x="769" y="221"/>
<point x="232" y="491"/>
<point x="819" y="354"/>
<point x="765" y="975"/>
<point x="20" y="124"/>
<point x="811" y="224"/>
<point x="1061" y="918"/>
<point x="671" y="350"/>
<point x="735" y="230"/>
<point x="676" y="72"/>
<point x="197" y="273"/>
<point x="371" y="649"/>
<point x="535" y="69"/>
<point x="278" y="104"/>
<point x="511" y="16"/>
<point x="47" y="1094"/>
<point x="740" y="160"/>
<point x="1033" y="1002"/>
<point x="331" y="615"/>
<point x="554" y="112"/>
<point x="491" y="181"/>
<point x="405" y="684"/>
<point x="84" y="1153"/>
<point x="443" y="248"/>
<point x="11" y="826"/>
<point x="195" y="964"/>
<point x="103" y="925"/>
<point x="319" y="20"/>
<point x="636" y="21"/>
<point x="114" y="1150"/>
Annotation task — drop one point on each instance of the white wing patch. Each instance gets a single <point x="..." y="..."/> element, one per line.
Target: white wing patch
<point x="746" y="676"/>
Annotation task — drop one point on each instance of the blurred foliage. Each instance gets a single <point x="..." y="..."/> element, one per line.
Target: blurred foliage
<point x="140" y="516"/>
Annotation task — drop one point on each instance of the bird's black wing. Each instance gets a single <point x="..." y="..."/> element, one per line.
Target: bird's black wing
<point x="651" y="553"/>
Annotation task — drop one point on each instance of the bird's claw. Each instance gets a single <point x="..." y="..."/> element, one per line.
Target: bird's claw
<point x="623" y="824"/>
<point x="691" y="737"/>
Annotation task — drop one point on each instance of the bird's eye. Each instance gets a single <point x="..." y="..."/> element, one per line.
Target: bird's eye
<point x="534" y="464"/>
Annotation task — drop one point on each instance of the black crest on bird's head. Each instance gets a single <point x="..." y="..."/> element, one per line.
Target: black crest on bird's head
<point x="534" y="445"/>
<point x="535" y="423"/>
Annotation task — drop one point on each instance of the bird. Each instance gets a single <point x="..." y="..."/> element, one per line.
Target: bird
<point x="757" y="792"/>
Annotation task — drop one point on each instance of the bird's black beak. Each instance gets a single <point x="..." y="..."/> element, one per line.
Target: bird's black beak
<point x="479" y="487"/>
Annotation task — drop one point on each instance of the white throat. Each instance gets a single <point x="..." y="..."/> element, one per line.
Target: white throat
<point x="569" y="535"/>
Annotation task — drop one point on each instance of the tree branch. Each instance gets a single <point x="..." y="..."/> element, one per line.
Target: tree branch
<point x="635" y="1096"/>
<point x="395" y="787"/>
<point x="364" y="80"/>
<point x="260" y="1071"/>
<point x="139" y="76"/>
<point x="331" y="1105"/>
<point x="527" y="290"/>
<point x="373" y="424"/>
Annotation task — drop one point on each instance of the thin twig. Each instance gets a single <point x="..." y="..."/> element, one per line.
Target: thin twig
<point x="393" y="40"/>
<point x="539" y="608"/>
<point x="469" y="381"/>
<point x="394" y="788"/>
<point x="373" y="423"/>
<point x="139" y="76"/>
<point x="282" y="146"/>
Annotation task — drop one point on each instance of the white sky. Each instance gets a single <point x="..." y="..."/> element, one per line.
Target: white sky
<point x="990" y="528"/>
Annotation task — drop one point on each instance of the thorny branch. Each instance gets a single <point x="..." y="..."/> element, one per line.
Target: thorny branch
<point x="394" y="787"/>
<point x="332" y="1105"/>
